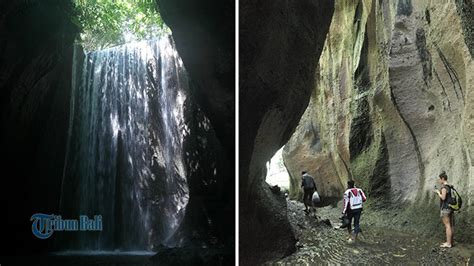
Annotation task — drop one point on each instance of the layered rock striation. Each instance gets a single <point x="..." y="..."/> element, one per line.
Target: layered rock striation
<point x="393" y="105"/>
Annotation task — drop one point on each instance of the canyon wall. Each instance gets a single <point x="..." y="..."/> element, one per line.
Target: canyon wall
<point x="204" y="33"/>
<point x="393" y="105"/>
<point x="36" y="44"/>
<point x="280" y="45"/>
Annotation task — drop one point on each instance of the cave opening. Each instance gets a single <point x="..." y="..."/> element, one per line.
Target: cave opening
<point x="277" y="175"/>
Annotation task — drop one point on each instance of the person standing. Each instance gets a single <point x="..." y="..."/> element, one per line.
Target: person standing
<point x="353" y="199"/>
<point x="308" y="186"/>
<point x="446" y="213"/>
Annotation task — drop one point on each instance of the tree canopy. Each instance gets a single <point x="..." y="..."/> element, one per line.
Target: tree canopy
<point x="107" y="23"/>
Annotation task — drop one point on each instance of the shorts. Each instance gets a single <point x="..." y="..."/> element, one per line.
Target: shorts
<point x="445" y="212"/>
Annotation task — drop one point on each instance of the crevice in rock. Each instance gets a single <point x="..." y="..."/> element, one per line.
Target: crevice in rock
<point x="427" y="16"/>
<point x="443" y="88"/>
<point x="379" y="182"/>
<point x="345" y="165"/>
<point x="316" y="138"/>
<point x="451" y="72"/>
<point x="362" y="77"/>
<point x="424" y="54"/>
<point x="361" y="128"/>
<point x="358" y="16"/>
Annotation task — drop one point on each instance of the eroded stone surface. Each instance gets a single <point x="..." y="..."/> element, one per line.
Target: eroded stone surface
<point x="393" y="106"/>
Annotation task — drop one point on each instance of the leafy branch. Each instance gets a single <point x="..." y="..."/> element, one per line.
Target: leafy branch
<point x="106" y="23"/>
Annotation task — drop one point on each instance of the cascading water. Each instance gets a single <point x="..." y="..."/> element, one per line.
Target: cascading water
<point x="125" y="150"/>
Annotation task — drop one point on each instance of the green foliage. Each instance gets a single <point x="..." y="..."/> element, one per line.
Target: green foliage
<point x="107" y="23"/>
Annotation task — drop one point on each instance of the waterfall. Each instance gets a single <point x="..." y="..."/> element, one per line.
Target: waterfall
<point x="124" y="158"/>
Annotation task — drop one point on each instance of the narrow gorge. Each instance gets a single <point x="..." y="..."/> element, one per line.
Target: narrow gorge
<point x="383" y="95"/>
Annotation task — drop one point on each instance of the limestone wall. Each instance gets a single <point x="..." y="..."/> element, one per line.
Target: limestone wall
<point x="392" y="105"/>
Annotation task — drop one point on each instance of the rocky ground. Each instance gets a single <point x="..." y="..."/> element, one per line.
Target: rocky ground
<point x="320" y="241"/>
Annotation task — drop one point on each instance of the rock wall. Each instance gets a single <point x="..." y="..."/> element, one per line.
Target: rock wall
<point x="204" y="33"/>
<point x="394" y="104"/>
<point x="36" y="44"/>
<point x="280" y="45"/>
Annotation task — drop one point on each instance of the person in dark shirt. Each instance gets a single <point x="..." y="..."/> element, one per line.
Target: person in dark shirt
<point x="308" y="186"/>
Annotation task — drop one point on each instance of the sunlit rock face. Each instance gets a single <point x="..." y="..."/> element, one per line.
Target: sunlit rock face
<point x="393" y="105"/>
<point x="280" y="44"/>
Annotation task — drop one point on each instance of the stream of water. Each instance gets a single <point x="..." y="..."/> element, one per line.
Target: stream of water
<point x="124" y="158"/>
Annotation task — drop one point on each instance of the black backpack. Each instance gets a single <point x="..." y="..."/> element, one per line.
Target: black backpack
<point x="455" y="200"/>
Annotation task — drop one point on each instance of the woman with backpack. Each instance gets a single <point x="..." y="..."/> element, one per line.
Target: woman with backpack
<point x="353" y="198"/>
<point x="446" y="213"/>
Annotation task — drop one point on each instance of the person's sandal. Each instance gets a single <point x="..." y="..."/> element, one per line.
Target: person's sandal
<point x="445" y="245"/>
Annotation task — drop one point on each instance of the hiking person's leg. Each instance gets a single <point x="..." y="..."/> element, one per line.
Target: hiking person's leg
<point x="349" y="231"/>
<point x="356" y="224"/>
<point x="452" y="227"/>
<point x="349" y="226"/>
<point x="447" y="225"/>
<point x="305" y="196"/>
<point x="308" y="200"/>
